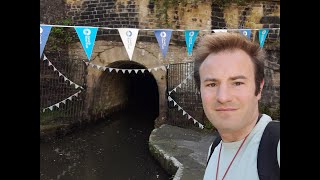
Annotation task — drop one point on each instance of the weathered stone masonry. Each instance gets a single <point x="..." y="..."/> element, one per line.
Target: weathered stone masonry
<point x="146" y="14"/>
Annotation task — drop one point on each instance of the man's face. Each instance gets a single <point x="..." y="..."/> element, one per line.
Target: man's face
<point x="228" y="90"/>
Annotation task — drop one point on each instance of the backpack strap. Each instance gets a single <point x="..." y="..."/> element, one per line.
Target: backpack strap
<point x="267" y="162"/>
<point x="214" y="145"/>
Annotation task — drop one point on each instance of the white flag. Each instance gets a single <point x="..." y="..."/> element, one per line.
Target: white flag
<point x="179" y="108"/>
<point x="49" y="63"/>
<point x="174" y="103"/>
<point x="45" y="57"/>
<point x="54" y="68"/>
<point x="220" y="30"/>
<point x="76" y="94"/>
<point x="57" y="105"/>
<point x="183" y="112"/>
<point x="189" y="116"/>
<point x="129" y="38"/>
<point x="70" y="98"/>
<point x="136" y="71"/>
<point x="60" y="74"/>
<point x="175" y="90"/>
<point x="129" y="71"/>
<point x="149" y="70"/>
<point x="155" y="68"/>
<point x="87" y="63"/>
<point x="51" y="108"/>
<point x="110" y="69"/>
<point x="76" y="86"/>
<point x="64" y="101"/>
<point x="142" y="70"/>
<point x="170" y="92"/>
<point x="169" y="98"/>
<point x="117" y="70"/>
<point x="179" y="85"/>
<point x="104" y="68"/>
<point x="194" y="121"/>
<point x="65" y="78"/>
<point x="123" y="71"/>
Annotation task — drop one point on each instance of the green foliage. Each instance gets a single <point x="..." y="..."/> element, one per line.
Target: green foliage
<point x="60" y="37"/>
<point x="49" y="117"/>
<point x="272" y="111"/>
<point x="238" y="2"/>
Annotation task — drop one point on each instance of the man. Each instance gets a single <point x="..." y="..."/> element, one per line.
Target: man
<point x="229" y="71"/>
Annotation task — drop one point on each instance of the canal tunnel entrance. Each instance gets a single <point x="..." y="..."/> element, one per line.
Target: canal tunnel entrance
<point x="129" y="87"/>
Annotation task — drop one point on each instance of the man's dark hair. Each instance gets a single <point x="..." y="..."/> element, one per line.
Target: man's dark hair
<point x="218" y="42"/>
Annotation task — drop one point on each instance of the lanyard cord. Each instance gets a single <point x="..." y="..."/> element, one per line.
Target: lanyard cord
<point x="231" y="161"/>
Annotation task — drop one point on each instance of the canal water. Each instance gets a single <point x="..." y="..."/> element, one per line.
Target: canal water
<point x="116" y="148"/>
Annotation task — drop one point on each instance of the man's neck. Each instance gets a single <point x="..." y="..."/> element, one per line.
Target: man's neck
<point x="233" y="136"/>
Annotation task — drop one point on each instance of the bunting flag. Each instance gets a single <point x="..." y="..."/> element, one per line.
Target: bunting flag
<point x="163" y="37"/>
<point x="184" y="112"/>
<point x="87" y="36"/>
<point x="220" y="30"/>
<point x="262" y="36"/>
<point x="246" y="33"/>
<point x="60" y="74"/>
<point x="63" y="101"/>
<point x="129" y="38"/>
<point x="183" y="82"/>
<point x="190" y="36"/>
<point x="124" y="70"/>
<point x="44" y="34"/>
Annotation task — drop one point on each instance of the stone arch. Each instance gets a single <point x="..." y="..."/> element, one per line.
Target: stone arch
<point x="118" y="90"/>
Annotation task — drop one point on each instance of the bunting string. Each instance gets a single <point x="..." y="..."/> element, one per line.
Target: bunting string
<point x="148" y="29"/>
<point x="60" y="74"/>
<point x="183" y="82"/>
<point x="104" y="68"/>
<point x="185" y="113"/>
<point x="63" y="101"/>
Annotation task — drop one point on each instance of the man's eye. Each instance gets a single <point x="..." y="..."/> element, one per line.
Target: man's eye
<point x="211" y="85"/>
<point x="238" y="83"/>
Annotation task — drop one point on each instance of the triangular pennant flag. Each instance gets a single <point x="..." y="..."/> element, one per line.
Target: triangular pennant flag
<point x="191" y="36"/>
<point x="129" y="38"/>
<point x="98" y="66"/>
<point x="262" y="36"/>
<point x="54" y="68"/>
<point x="149" y="70"/>
<point x="76" y="86"/>
<point x="49" y="63"/>
<point x="175" y="89"/>
<point x="117" y="70"/>
<point x="220" y="30"/>
<point x="194" y="121"/>
<point x="179" y="108"/>
<point x="44" y="110"/>
<point x="200" y="125"/>
<point x="104" y="68"/>
<point x="246" y="33"/>
<point x="123" y="71"/>
<point x="174" y="103"/>
<point x="189" y="77"/>
<point x="110" y="69"/>
<point x="183" y="112"/>
<point x="163" y="68"/>
<point x="44" y="34"/>
<point x="189" y="116"/>
<point x="179" y="85"/>
<point x="64" y="101"/>
<point x="136" y="71"/>
<point x="129" y="70"/>
<point x="87" y="36"/>
<point x="142" y="70"/>
<point x="51" y="108"/>
<point x="167" y="66"/>
<point x="70" y="98"/>
<point x="60" y="74"/>
<point x="87" y="63"/>
<point x="45" y="57"/>
<point x="76" y="94"/>
<point x="65" y="78"/>
<point x="169" y="98"/>
<point x="163" y="37"/>
<point x="155" y="68"/>
<point x="170" y="92"/>
<point x="57" y="105"/>
<point x="71" y="82"/>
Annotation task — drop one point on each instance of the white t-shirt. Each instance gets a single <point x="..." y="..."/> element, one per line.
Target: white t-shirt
<point x="244" y="165"/>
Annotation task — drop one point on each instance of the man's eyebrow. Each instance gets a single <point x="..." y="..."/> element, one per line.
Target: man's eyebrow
<point x="210" y="79"/>
<point x="238" y="77"/>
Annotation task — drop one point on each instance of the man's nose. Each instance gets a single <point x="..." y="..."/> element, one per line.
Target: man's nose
<point x="223" y="94"/>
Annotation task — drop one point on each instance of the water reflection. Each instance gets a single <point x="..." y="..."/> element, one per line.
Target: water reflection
<point x="114" y="149"/>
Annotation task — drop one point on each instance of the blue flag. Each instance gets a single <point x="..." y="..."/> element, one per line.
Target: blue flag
<point x="246" y="33"/>
<point x="163" y="37"/>
<point x="44" y="34"/>
<point x="191" y="36"/>
<point x="87" y="36"/>
<point x="262" y="36"/>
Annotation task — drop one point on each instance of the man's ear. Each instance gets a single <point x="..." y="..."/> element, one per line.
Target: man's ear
<point x="260" y="89"/>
